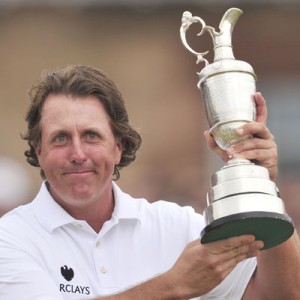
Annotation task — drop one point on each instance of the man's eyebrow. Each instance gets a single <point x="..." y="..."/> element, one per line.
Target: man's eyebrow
<point x="92" y="128"/>
<point x="57" y="132"/>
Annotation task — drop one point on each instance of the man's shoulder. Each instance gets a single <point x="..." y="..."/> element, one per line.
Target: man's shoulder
<point x="156" y="206"/>
<point x="160" y="214"/>
<point x="166" y="211"/>
<point x="143" y="203"/>
<point x="171" y="207"/>
<point x="15" y="214"/>
<point x="16" y="221"/>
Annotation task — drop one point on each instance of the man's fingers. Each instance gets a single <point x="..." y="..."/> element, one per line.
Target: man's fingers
<point x="261" y="108"/>
<point x="228" y="244"/>
<point x="212" y="145"/>
<point x="256" y="129"/>
<point x="228" y="253"/>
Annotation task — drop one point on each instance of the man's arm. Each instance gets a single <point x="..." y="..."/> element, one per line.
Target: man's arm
<point x="278" y="273"/>
<point x="197" y="271"/>
<point x="278" y="269"/>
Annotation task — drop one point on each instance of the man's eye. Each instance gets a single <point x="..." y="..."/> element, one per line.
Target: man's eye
<point x="91" y="135"/>
<point x="61" y="138"/>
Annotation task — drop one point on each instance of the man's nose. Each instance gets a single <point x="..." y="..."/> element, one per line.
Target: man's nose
<point x="78" y="155"/>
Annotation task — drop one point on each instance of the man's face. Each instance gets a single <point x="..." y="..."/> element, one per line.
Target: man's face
<point x="78" y="151"/>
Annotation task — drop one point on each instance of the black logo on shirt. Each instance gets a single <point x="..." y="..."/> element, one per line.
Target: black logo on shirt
<point x="67" y="273"/>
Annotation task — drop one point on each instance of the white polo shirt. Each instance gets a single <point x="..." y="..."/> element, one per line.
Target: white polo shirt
<point x="46" y="254"/>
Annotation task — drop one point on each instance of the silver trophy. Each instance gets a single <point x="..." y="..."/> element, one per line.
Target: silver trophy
<point x="242" y="198"/>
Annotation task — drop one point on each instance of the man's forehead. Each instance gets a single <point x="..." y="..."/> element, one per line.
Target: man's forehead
<point x="60" y="112"/>
<point x="62" y="103"/>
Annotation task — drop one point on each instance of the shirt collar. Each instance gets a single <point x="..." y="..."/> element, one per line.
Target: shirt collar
<point x="48" y="212"/>
<point x="126" y="207"/>
<point x="51" y="215"/>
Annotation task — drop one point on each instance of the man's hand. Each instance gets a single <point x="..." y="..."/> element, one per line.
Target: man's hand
<point x="261" y="149"/>
<point x="201" y="267"/>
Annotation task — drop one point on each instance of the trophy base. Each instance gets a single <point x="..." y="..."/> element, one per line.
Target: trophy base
<point x="271" y="228"/>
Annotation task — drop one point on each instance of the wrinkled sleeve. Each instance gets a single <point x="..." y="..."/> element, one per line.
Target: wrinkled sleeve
<point x="21" y="277"/>
<point x="234" y="285"/>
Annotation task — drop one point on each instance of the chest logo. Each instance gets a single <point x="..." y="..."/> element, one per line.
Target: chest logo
<point x="67" y="273"/>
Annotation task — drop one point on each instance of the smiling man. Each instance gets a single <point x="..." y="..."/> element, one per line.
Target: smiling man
<point x="78" y="153"/>
<point x="84" y="238"/>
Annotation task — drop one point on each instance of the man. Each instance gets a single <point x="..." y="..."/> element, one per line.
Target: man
<point x="83" y="238"/>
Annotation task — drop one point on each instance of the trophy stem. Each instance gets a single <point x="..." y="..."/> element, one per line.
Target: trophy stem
<point x="243" y="200"/>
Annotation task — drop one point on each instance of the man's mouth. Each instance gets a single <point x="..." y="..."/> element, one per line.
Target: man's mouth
<point x="78" y="172"/>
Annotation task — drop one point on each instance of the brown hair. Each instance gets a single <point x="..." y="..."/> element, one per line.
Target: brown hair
<point x="81" y="81"/>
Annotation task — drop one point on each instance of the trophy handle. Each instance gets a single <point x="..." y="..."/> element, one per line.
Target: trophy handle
<point x="221" y="40"/>
<point x="186" y="21"/>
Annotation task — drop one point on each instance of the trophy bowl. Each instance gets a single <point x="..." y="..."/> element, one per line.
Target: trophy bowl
<point x="227" y="89"/>
<point x="242" y="198"/>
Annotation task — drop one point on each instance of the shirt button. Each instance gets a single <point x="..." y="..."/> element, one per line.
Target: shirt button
<point x="103" y="270"/>
<point x="79" y="226"/>
<point x="98" y="244"/>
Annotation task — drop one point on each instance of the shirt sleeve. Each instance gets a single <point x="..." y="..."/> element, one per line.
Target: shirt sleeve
<point x="21" y="277"/>
<point x="234" y="285"/>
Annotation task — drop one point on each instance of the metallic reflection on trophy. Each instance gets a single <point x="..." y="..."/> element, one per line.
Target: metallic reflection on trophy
<point x="242" y="198"/>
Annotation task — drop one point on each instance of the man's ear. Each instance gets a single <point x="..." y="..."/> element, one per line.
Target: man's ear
<point x="37" y="150"/>
<point x="119" y="151"/>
